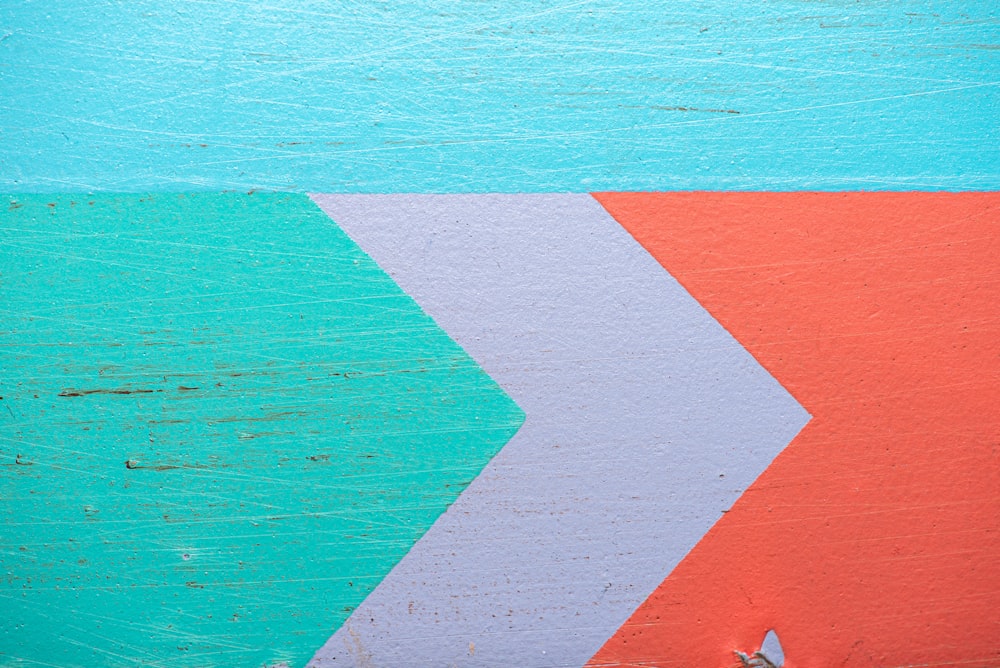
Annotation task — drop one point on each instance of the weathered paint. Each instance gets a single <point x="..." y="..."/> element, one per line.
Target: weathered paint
<point x="221" y="424"/>
<point x="874" y="538"/>
<point x="513" y="96"/>
<point x="645" y="421"/>
<point x="517" y="97"/>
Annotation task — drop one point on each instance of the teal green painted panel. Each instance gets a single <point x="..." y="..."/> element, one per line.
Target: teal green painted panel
<point x="221" y="425"/>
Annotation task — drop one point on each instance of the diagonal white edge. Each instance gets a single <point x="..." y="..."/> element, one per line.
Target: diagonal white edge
<point x="645" y="420"/>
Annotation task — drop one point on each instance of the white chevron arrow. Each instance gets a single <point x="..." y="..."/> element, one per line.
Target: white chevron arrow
<point x="645" y="422"/>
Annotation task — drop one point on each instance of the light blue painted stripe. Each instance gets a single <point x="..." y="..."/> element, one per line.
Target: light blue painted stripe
<point x="644" y="422"/>
<point x="519" y="96"/>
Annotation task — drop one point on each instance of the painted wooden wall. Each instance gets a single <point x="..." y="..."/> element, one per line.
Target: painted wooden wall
<point x="525" y="334"/>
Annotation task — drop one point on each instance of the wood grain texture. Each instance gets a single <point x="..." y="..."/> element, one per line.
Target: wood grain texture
<point x="221" y="424"/>
<point x="433" y="96"/>
<point x="517" y="96"/>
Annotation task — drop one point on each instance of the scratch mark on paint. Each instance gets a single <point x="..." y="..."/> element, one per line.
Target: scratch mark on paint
<point x="120" y="390"/>
<point x="181" y="353"/>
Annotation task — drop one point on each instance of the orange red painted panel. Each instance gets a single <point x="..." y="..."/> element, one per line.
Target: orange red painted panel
<point x="872" y="540"/>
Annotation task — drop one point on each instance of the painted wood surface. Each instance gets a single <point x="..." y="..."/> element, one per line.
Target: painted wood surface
<point x="642" y="429"/>
<point x="514" y="96"/>
<point x="243" y="426"/>
<point x="214" y="444"/>
<point x="872" y="539"/>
